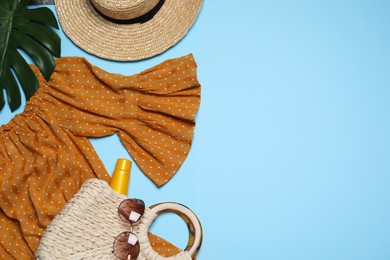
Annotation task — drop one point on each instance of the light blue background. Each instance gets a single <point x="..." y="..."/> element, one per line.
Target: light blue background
<point x="290" y="158"/>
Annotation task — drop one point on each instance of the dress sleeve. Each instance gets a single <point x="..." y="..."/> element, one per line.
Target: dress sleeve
<point x="152" y="112"/>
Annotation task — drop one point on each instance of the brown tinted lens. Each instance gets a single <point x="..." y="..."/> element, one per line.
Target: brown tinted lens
<point x="122" y="249"/>
<point x="131" y="210"/>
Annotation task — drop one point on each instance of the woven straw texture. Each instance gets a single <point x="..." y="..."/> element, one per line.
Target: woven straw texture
<point x="123" y="10"/>
<point x="97" y="35"/>
<point x="88" y="225"/>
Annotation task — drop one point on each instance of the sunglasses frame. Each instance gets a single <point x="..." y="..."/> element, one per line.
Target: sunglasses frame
<point x="140" y="205"/>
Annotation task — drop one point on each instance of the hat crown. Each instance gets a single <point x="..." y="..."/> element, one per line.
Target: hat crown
<point x="124" y="9"/>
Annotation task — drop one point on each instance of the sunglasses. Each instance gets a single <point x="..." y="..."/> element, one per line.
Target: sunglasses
<point x="126" y="245"/>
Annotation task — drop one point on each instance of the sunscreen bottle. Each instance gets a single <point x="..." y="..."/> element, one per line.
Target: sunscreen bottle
<point x="121" y="176"/>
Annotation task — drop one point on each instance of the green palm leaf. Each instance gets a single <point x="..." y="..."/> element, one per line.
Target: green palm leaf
<point x="28" y="30"/>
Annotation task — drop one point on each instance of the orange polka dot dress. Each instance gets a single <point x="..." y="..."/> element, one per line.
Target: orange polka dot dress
<point x="45" y="153"/>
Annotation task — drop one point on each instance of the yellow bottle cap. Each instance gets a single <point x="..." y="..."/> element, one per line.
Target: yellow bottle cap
<point x="121" y="176"/>
<point x="123" y="164"/>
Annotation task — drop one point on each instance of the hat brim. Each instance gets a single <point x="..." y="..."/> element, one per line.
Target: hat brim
<point x="126" y="42"/>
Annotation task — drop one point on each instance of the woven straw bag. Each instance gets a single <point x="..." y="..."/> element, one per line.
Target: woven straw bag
<point x="89" y="223"/>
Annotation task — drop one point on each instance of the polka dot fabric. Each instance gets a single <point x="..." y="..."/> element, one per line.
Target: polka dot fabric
<point x="45" y="153"/>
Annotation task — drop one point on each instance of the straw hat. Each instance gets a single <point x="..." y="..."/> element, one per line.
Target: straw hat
<point x="126" y="30"/>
